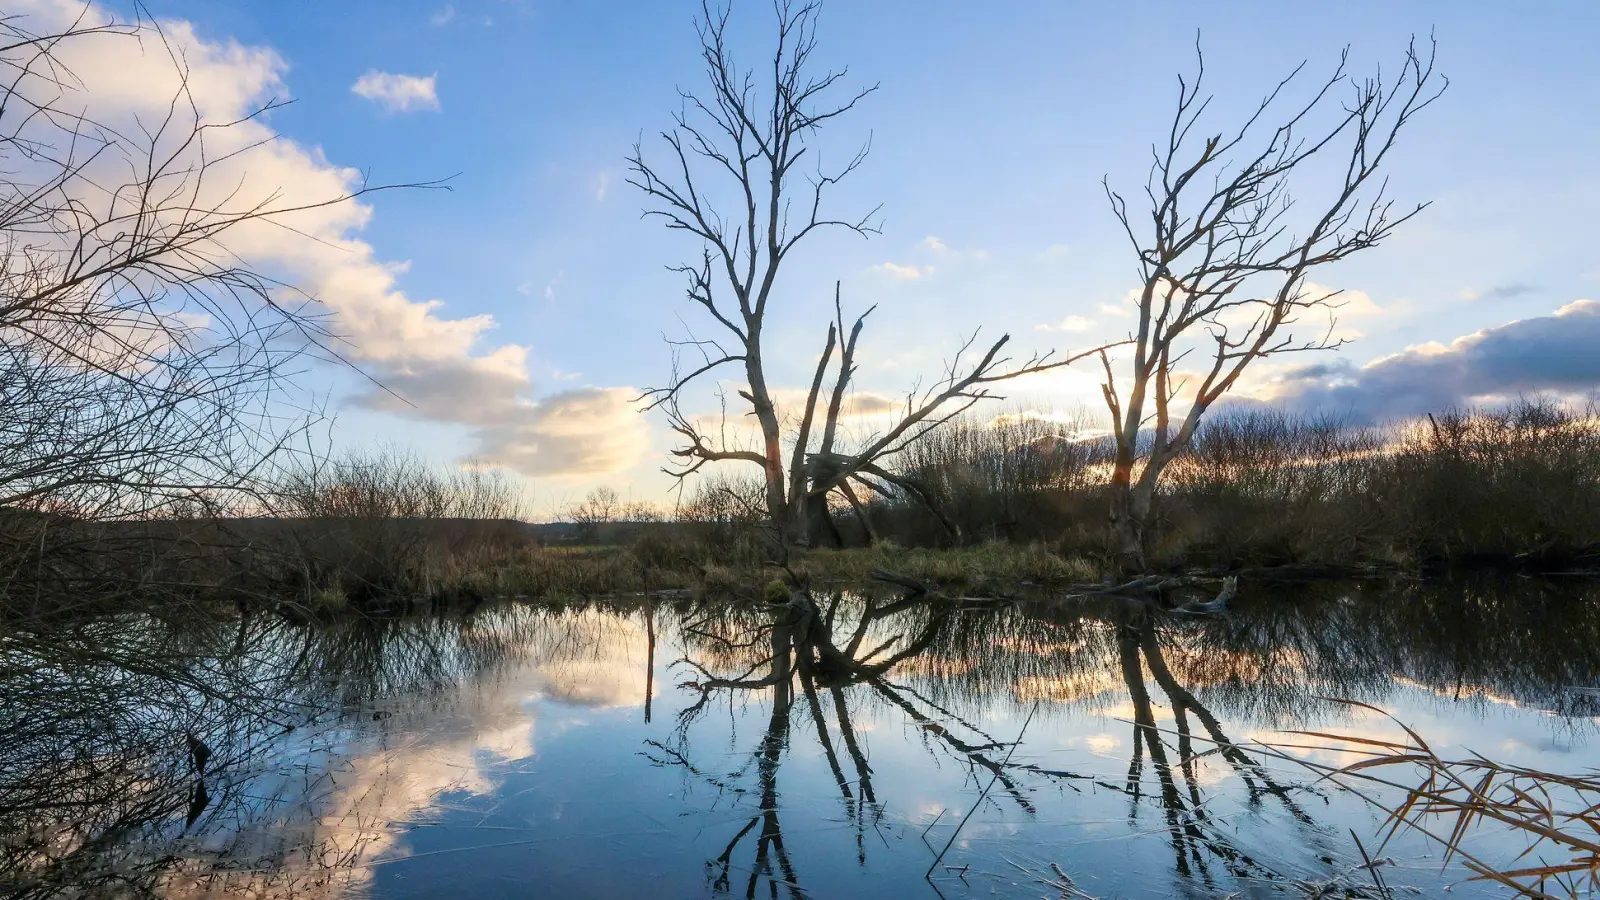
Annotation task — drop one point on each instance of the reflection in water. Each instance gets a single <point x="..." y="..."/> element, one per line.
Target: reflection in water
<point x="809" y="749"/>
<point x="798" y="648"/>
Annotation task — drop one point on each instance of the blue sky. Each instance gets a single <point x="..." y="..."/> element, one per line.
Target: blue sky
<point x="991" y="131"/>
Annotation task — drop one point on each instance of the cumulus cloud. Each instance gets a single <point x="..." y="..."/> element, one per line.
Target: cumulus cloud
<point x="443" y="366"/>
<point x="1499" y="291"/>
<point x="1553" y="353"/>
<point x="582" y="432"/>
<point x="1071" y="325"/>
<point x="934" y="244"/>
<point x="398" y="93"/>
<point x="898" y="272"/>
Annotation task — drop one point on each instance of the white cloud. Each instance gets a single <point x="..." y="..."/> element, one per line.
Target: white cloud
<point x="602" y="186"/>
<point x="398" y="93"/>
<point x="442" y="365"/>
<point x="444" y="16"/>
<point x="1344" y="309"/>
<point x="576" y="433"/>
<point x="1071" y="325"/>
<point x="899" y="272"/>
<point x="934" y="244"/>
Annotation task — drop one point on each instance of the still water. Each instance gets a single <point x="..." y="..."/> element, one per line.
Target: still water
<point x="673" y="749"/>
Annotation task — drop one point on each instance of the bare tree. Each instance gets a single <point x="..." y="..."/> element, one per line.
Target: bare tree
<point x="143" y="364"/>
<point x="748" y="143"/>
<point x="1225" y="257"/>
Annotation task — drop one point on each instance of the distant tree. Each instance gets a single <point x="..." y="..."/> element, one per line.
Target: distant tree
<point x="600" y="507"/>
<point x="734" y="181"/>
<point x="1225" y="257"/>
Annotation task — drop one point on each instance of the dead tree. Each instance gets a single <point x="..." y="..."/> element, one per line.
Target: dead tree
<point x="1225" y="257"/>
<point x="811" y="653"/>
<point x="743" y="142"/>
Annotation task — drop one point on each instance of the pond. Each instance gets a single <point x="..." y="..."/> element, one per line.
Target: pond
<point x="665" y="748"/>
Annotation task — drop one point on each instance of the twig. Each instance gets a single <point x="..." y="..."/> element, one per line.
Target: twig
<point x="928" y="875"/>
<point x="930" y="828"/>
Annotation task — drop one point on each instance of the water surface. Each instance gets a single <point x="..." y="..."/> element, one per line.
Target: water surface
<point x="667" y="748"/>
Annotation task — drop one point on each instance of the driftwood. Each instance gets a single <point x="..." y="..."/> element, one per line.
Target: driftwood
<point x="1142" y="589"/>
<point x="917" y="588"/>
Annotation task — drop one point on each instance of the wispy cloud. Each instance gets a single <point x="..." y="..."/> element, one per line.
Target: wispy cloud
<point x="548" y="292"/>
<point x="1071" y="325"/>
<point x="602" y="185"/>
<point x="899" y="272"/>
<point x="443" y="16"/>
<point x="398" y="93"/>
<point x="1499" y="291"/>
<point x="934" y="244"/>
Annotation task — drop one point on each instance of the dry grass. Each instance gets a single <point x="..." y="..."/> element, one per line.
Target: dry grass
<point x="994" y="563"/>
<point x="1452" y="801"/>
<point x="1514" y="486"/>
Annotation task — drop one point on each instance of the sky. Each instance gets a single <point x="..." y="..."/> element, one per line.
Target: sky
<point x="521" y="311"/>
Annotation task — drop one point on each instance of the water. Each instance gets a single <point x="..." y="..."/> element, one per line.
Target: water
<point x="670" y="749"/>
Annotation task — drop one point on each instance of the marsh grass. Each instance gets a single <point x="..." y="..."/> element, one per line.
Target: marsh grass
<point x="994" y="563"/>
<point x="1514" y="486"/>
<point x="1453" y="801"/>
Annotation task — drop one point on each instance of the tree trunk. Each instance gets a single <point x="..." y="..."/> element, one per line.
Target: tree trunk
<point x="1127" y="536"/>
<point x="821" y="531"/>
<point x="767" y="417"/>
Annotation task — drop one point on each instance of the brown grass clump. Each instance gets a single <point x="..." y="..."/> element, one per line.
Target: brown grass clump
<point x="1449" y="801"/>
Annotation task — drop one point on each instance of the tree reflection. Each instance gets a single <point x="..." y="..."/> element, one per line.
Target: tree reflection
<point x="1196" y="838"/>
<point x="1194" y="689"/>
<point x="799" y="653"/>
<point x="99" y="795"/>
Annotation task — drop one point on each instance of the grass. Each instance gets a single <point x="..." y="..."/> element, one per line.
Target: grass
<point x="993" y="563"/>
<point x="1515" y="488"/>
<point x="557" y="573"/>
<point x="1512" y="487"/>
<point x="1451" y="801"/>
